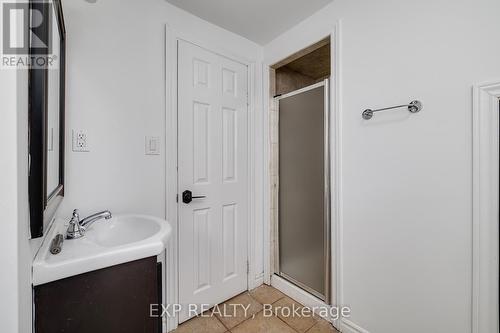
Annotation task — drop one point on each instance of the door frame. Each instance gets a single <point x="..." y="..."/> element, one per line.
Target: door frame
<point x="335" y="171"/>
<point x="485" y="207"/>
<point x="172" y="37"/>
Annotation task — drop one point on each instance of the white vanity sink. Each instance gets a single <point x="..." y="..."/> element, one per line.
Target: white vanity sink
<point x="106" y="243"/>
<point x="123" y="230"/>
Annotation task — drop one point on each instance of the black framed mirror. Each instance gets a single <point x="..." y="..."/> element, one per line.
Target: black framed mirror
<point x="46" y="112"/>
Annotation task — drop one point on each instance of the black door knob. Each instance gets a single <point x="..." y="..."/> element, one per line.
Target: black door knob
<point x="187" y="197"/>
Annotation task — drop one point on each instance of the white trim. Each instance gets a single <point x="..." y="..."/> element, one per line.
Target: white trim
<point x="253" y="280"/>
<point x="305" y="298"/>
<point x="335" y="169"/>
<point x="296" y="293"/>
<point x="172" y="296"/>
<point x="259" y="280"/>
<point x="336" y="196"/>
<point x="267" y="252"/>
<point x="485" y="208"/>
<point x="171" y="159"/>
<point x="350" y="327"/>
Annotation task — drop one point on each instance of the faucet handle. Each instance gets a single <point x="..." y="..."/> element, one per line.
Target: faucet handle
<point x="75" y="230"/>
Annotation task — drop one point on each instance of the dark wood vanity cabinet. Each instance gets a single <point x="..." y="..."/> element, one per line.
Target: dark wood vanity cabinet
<point x="112" y="300"/>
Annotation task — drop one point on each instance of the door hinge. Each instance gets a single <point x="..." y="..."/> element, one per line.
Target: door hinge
<point x="248" y="267"/>
<point x="177" y="198"/>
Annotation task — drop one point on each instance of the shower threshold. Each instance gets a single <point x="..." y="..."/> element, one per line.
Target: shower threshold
<point x="303" y="286"/>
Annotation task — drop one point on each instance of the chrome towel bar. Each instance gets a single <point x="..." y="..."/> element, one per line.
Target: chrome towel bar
<point x="413" y="107"/>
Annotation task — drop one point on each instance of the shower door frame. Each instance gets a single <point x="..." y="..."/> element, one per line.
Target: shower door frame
<point x="326" y="199"/>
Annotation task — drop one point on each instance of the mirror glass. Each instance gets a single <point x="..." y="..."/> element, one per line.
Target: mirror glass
<point x="53" y="112"/>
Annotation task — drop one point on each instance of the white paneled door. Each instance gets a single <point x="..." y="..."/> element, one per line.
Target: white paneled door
<point x="213" y="177"/>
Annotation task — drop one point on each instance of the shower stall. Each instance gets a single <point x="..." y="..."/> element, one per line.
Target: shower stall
<point x="302" y="231"/>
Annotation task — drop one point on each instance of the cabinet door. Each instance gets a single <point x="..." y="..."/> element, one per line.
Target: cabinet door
<point x="112" y="300"/>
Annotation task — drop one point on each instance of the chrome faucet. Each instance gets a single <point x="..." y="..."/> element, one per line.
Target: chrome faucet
<point x="77" y="227"/>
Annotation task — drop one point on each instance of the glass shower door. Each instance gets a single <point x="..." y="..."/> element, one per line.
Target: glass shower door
<point x="303" y="230"/>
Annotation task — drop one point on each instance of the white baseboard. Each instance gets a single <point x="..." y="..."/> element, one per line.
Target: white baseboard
<point x="257" y="282"/>
<point x="311" y="301"/>
<point x="350" y="327"/>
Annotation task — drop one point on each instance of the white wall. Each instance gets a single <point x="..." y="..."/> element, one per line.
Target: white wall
<point x="406" y="178"/>
<point x="116" y="91"/>
<point x="15" y="252"/>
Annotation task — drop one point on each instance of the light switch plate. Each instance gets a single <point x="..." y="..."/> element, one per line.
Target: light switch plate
<point x="80" y="141"/>
<point x="152" y="145"/>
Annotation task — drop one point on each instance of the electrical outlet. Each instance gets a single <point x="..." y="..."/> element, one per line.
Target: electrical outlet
<point x="80" y="141"/>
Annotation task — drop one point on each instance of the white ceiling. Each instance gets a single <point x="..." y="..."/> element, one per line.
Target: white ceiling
<point x="258" y="20"/>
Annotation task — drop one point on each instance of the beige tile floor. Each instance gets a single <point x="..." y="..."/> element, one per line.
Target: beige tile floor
<point x="254" y="321"/>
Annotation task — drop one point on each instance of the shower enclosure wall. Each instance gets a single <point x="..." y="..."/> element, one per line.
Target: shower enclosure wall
<point x="299" y="169"/>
